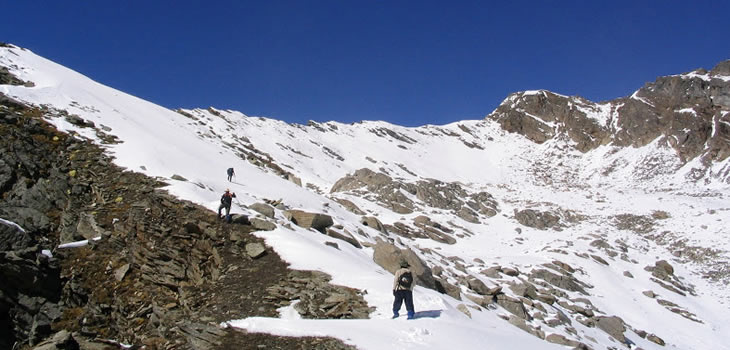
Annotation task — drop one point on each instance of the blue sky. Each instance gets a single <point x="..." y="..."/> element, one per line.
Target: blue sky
<point x="407" y="62"/>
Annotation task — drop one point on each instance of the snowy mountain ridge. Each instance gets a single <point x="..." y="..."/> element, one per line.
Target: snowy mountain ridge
<point x="570" y="207"/>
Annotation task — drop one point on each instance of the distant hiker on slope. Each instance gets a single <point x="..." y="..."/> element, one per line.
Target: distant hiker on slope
<point x="231" y="173"/>
<point x="226" y="200"/>
<point x="403" y="290"/>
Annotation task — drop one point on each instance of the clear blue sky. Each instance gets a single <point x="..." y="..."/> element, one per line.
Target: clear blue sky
<point x="407" y="62"/>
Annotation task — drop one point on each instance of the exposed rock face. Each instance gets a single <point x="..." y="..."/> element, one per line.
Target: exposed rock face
<point x="537" y="219"/>
<point x="687" y="112"/>
<point x="387" y="192"/>
<point x="389" y="256"/>
<point x="7" y="78"/>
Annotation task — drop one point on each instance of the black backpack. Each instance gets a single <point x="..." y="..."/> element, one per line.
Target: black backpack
<point x="405" y="280"/>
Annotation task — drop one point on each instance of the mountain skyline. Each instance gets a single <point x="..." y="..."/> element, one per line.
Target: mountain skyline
<point x="403" y="63"/>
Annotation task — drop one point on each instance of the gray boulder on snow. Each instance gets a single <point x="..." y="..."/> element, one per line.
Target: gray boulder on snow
<point x="388" y="256"/>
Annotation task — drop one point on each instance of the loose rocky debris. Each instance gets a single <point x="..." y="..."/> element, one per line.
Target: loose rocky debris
<point x="537" y="219"/>
<point x="640" y="224"/>
<point x="163" y="275"/>
<point x="316" y="298"/>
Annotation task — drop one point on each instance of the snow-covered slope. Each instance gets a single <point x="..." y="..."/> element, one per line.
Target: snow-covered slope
<point x="611" y="225"/>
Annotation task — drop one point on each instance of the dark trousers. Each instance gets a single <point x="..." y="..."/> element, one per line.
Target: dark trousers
<point x="400" y="296"/>
<point x="228" y="211"/>
<point x="229" y="177"/>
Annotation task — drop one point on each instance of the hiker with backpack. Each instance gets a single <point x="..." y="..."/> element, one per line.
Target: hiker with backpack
<point x="230" y="173"/>
<point x="403" y="290"/>
<point x="226" y="201"/>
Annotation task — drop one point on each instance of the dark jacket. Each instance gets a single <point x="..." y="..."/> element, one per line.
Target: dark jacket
<point x="227" y="198"/>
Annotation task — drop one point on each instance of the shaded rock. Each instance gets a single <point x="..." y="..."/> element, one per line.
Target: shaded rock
<point x="120" y="272"/>
<point x="240" y="219"/>
<point x="655" y="339"/>
<point x="345" y="236"/>
<point x="371" y="221"/>
<point x="562" y="340"/>
<point x="255" y="250"/>
<point x="663" y="268"/>
<point x="560" y="281"/>
<point x="62" y="340"/>
<point x="263" y="209"/>
<point x="178" y="178"/>
<point x="464" y="310"/>
<point x="537" y="219"/>
<point x="524" y="289"/>
<point x="319" y="222"/>
<point x="444" y="287"/>
<point x="478" y="286"/>
<point x="294" y="179"/>
<point x="649" y="294"/>
<point x="389" y="256"/>
<point x="612" y="325"/>
<point x="513" y="305"/>
<point x="88" y="228"/>
<point x="492" y="272"/>
<point x="520" y="323"/>
<point x="599" y="259"/>
<point x="13" y="237"/>
<point x="262" y="225"/>
<point x="509" y="271"/>
<point x="350" y="206"/>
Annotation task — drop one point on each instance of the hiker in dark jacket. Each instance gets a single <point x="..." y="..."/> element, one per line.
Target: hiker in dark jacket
<point x="403" y="290"/>
<point x="226" y="201"/>
<point x="230" y="173"/>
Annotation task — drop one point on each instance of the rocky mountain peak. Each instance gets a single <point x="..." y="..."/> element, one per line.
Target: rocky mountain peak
<point x="722" y="68"/>
<point x="687" y="113"/>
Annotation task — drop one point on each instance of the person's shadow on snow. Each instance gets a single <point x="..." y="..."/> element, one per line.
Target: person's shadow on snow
<point x="428" y="314"/>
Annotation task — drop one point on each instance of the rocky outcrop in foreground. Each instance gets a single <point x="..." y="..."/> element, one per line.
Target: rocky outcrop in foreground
<point x="156" y="272"/>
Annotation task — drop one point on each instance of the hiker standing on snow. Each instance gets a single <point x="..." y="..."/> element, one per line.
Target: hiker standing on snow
<point x="403" y="290"/>
<point x="230" y="173"/>
<point x="226" y="201"/>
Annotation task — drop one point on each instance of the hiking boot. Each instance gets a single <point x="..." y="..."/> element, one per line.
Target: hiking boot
<point x="411" y="315"/>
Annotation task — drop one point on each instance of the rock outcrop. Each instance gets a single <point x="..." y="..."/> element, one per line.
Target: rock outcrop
<point x="389" y="193"/>
<point x="163" y="274"/>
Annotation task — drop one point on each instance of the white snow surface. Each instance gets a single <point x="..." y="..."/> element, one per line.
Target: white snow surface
<point x="598" y="185"/>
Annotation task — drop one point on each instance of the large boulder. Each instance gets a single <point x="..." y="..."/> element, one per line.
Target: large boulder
<point x="301" y="218"/>
<point x="389" y="257"/>
<point x="262" y="225"/>
<point x="612" y="325"/>
<point x="371" y="221"/>
<point x="263" y="209"/>
<point x="513" y="305"/>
